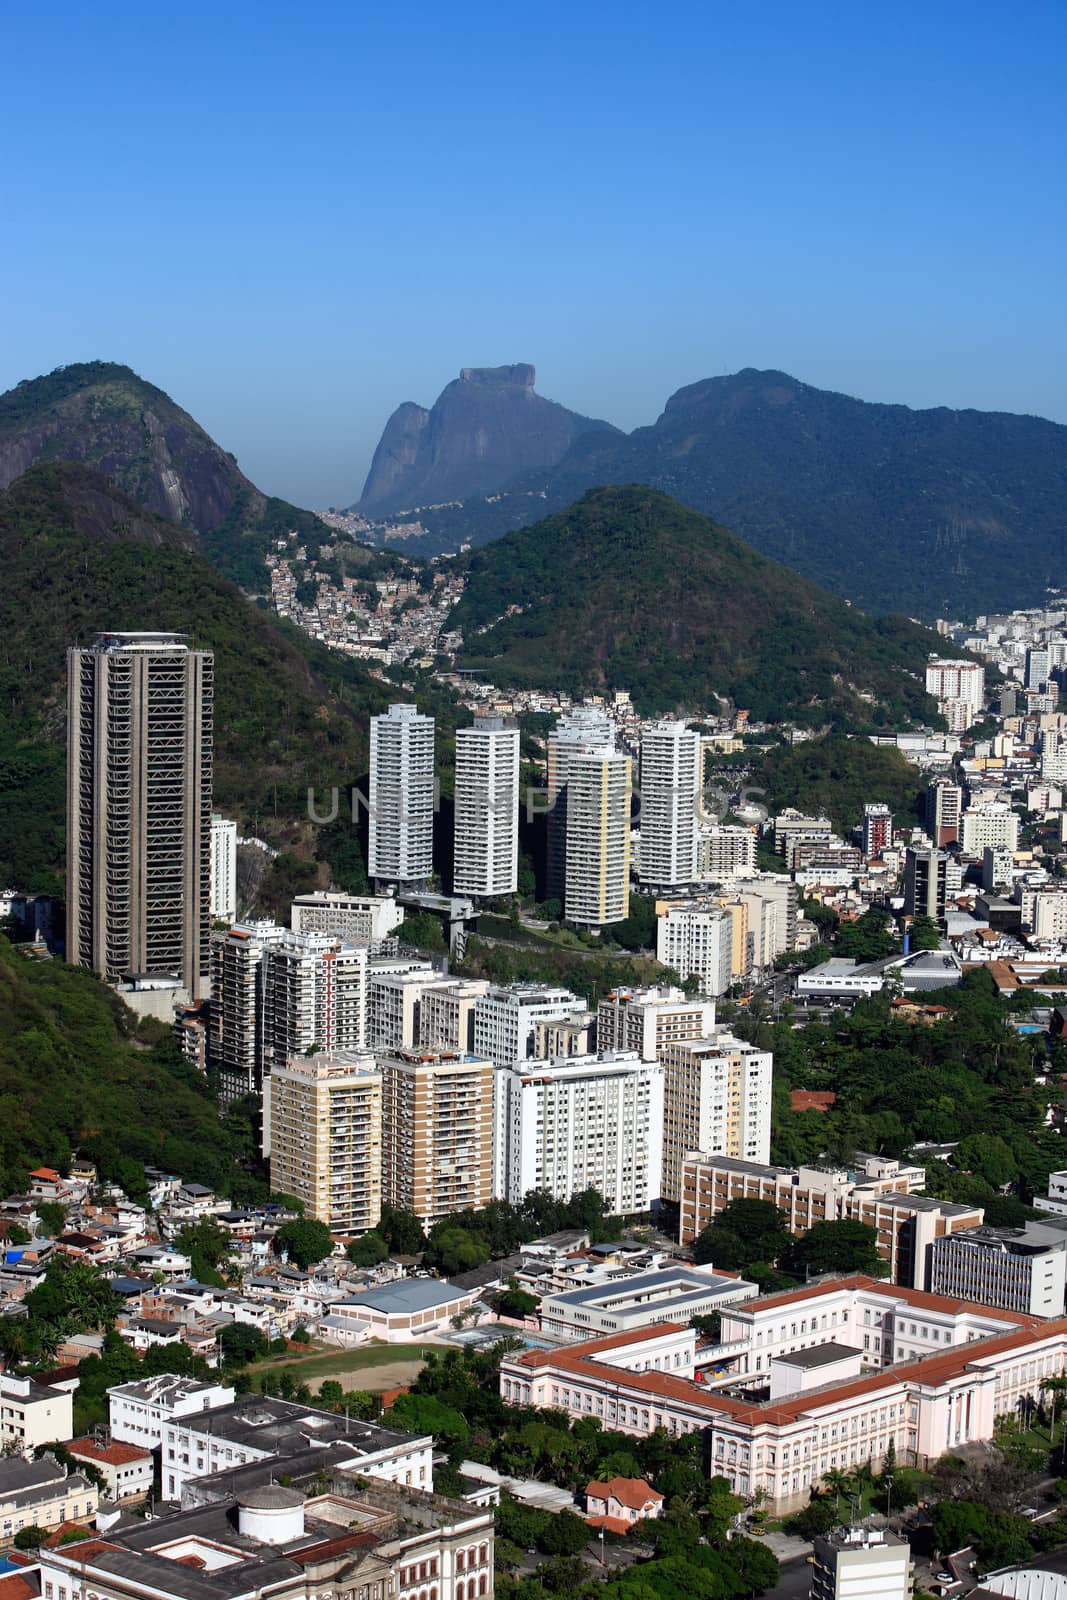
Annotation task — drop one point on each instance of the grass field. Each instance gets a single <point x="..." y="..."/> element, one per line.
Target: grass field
<point x="372" y="1366"/>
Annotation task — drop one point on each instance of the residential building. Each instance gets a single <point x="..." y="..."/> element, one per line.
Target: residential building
<point x="583" y="729"/>
<point x="772" y="903"/>
<point x="235" y="1034"/>
<point x="395" y="997"/>
<point x="258" y="1427"/>
<point x="326" y="1137"/>
<point x="580" y="1122"/>
<point x="33" y="1413"/>
<point x="793" y="828"/>
<point x="878" y="1191"/>
<point x="128" y="1470"/>
<point x="314" y="996"/>
<point x="42" y="1494"/>
<point x="486" y="826"/>
<point x="726" y="851"/>
<point x="574" y="1035"/>
<point x="943" y="809"/>
<point x="647" y="1020"/>
<point x="354" y="918"/>
<point x="139" y="766"/>
<point x="959" y="689"/>
<point x="717" y="1099"/>
<point x="877" y="829"/>
<point x="1038" y="667"/>
<point x="223" y="869"/>
<point x="1019" y="1269"/>
<point x="507" y="1015"/>
<point x="400" y="848"/>
<point x="446" y="1013"/>
<point x="437" y="1132"/>
<point x="138" y="1411"/>
<point x="696" y="941"/>
<point x="598" y="838"/>
<point x="994" y="826"/>
<point x="672" y="1293"/>
<point x="670" y="791"/>
<point x="618" y="1503"/>
<point x="925" y="883"/>
<point x="852" y="1562"/>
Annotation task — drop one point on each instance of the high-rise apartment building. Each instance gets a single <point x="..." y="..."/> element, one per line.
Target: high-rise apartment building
<point x="726" y="852"/>
<point x="400" y="848"/>
<point x="394" y="1003"/>
<point x="877" y="829"/>
<point x="585" y="728"/>
<point x="139" y="754"/>
<point x="925" y="883"/>
<point x="326" y="1137"/>
<point x="696" y="941"/>
<point x="647" y="1020"/>
<point x="355" y="918"/>
<point x="994" y="825"/>
<point x="487" y="808"/>
<point x="446" y="1013"/>
<point x="1038" y="666"/>
<point x="716" y="1100"/>
<point x="235" y="1037"/>
<point x="437" y="1132"/>
<point x="314" y="997"/>
<point x="223" y="869"/>
<point x="959" y="689"/>
<point x="670" y="787"/>
<point x="584" y="1122"/>
<point x="944" y="807"/>
<point x="507" y="1015"/>
<point x="597" y="890"/>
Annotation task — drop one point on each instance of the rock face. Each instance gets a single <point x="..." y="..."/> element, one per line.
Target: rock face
<point x="486" y="427"/>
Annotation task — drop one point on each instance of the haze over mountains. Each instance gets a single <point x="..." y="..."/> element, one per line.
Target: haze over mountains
<point x="486" y="427"/>
<point x="931" y="512"/>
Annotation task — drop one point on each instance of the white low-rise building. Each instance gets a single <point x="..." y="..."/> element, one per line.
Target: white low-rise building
<point x="138" y="1412"/>
<point x="672" y="1293"/>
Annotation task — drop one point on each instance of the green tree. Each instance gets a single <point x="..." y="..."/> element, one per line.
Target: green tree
<point x="305" y="1241"/>
<point x="841" y="1246"/>
<point x="52" y="1217"/>
<point x="402" y="1232"/>
<point x="240" y="1343"/>
<point x="745" y="1231"/>
<point x="453" y="1249"/>
<point x="988" y="1155"/>
<point x="923" y="934"/>
<point x="368" y="1250"/>
<point x="565" y="1535"/>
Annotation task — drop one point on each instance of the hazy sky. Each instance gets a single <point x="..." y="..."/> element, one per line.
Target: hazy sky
<point x="292" y="217"/>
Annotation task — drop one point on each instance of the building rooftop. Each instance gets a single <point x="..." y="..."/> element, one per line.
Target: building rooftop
<point x="410" y="1294"/>
<point x="820" y="1355"/>
<point x="280" y="1427"/>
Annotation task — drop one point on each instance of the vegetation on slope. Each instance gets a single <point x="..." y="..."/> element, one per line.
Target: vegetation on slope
<point x="629" y="589"/>
<point x="80" y="557"/>
<point x="836" y="776"/>
<point x="77" y="1074"/>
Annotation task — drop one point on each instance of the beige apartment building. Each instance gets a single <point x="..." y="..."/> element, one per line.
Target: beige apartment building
<point x="647" y="1020"/>
<point x="437" y="1134"/>
<point x="717" y="1099"/>
<point x="326" y="1137"/>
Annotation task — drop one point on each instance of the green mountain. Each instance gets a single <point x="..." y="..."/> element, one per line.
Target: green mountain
<point x="629" y="589"/>
<point x="934" y="512"/>
<point x="78" y="557"/>
<point x="79" y="1073"/>
<point x="133" y="434"/>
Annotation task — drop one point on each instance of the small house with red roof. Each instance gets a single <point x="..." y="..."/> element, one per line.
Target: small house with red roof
<point x="620" y="1502"/>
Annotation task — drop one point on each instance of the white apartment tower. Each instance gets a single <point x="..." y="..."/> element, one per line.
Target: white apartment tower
<point x="959" y="689"/>
<point x="326" y="1137"/>
<point x="670" y="785"/>
<point x="223" y="869"/>
<point x="139" y="759"/>
<point x="583" y="729"/>
<point x="401" y="796"/>
<point x="487" y="809"/>
<point x="597" y="871"/>
<point x="314" y="991"/>
<point x="507" y="1015"/>
<point x="236" y="1035"/>
<point x="696" y="941"/>
<point x="716" y="1099"/>
<point x="582" y="1122"/>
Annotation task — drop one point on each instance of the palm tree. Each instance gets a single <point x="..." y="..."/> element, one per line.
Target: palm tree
<point x="838" y="1483"/>
<point x="1056" y="1389"/>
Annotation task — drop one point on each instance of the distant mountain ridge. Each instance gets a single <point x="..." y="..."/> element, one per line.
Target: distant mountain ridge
<point x="933" y="512"/>
<point x="628" y="589"/>
<point x="484" y="428"/>
<point x="107" y="417"/>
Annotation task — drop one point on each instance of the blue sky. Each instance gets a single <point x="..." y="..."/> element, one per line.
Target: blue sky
<point x="292" y="217"/>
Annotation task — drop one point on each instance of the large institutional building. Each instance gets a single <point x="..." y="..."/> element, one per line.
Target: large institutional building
<point x="139" y="765"/>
